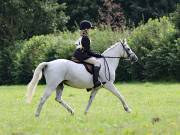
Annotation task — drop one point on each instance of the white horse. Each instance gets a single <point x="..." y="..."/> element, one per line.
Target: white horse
<point x="62" y="71"/>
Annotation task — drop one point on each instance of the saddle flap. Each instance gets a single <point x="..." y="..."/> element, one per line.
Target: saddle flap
<point x="89" y="67"/>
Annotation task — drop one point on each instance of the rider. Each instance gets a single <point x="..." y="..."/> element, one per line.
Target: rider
<point x="83" y="52"/>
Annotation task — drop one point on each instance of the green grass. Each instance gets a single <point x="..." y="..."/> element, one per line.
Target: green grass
<point x="149" y="101"/>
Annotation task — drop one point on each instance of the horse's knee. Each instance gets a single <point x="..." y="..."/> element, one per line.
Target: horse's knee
<point x="42" y="100"/>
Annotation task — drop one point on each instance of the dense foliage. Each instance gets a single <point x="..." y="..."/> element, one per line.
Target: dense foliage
<point x="101" y="12"/>
<point x="135" y="10"/>
<point x="158" y="50"/>
<point x="51" y="47"/>
<point x="21" y="19"/>
<point x="141" y="10"/>
<point x="26" y="37"/>
<point x="79" y="10"/>
<point x="176" y="17"/>
<point x="38" y="49"/>
<point x="155" y="43"/>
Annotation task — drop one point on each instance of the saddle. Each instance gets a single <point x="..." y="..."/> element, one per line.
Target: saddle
<point x="89" y="67"/>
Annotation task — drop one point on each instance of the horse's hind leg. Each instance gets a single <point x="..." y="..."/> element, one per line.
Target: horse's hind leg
<point x="59" y="91"/>
<point x="59" y="99"/>
<point x="47" y="92"/>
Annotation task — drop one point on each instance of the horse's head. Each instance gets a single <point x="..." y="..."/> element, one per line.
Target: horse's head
<point x="128" y="53"/>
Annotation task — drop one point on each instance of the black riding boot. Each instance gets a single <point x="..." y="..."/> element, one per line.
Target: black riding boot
<point x="95" y="77"/>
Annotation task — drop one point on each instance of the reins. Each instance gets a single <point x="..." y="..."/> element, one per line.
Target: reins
<point x="110" y="57"/>
<point x="106" y="64"/>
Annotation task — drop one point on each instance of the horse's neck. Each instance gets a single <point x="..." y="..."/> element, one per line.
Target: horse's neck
<point x="115" y="51"/>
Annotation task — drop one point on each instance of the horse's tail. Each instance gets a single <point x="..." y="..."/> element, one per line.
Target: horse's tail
<point x="33" y="83"/>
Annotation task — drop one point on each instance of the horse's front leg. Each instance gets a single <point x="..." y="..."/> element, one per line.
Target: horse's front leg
<point x="93" y="93"/>
<point x="115" y="91"/>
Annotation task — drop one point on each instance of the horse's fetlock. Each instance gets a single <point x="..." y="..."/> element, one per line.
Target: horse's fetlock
<point x="58" y="100"/>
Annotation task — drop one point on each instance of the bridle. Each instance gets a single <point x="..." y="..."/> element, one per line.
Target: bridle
<point x="125" y="49"/>
<point x="106" y="63"/>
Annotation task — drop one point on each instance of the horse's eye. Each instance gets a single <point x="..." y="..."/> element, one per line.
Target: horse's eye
<point x="128" y="49"/>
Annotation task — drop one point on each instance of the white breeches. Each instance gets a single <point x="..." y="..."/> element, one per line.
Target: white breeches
<point x="93" y="61"/>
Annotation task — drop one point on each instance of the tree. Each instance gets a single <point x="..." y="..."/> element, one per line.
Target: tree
<point x="79" y="10"/>
<point x="176" y="17"/>
<point x="111" y="14"/>
<point x="138" y="10"/>
<point x="21" y="19"/>
<point x="101" y="12"/>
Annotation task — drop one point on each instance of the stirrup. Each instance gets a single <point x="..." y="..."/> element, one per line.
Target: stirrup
<point x="89" y="89"/>
<point x="97" y="84"/>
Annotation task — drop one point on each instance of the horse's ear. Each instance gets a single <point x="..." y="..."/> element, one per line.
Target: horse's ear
<point x="122" y="41"/>
<point x="125" y="40"/>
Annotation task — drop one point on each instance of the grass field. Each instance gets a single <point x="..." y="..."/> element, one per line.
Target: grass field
<point x="156" y="111"/>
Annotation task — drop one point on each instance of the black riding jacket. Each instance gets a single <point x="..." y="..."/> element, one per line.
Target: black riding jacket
<point x="84" y="52"/>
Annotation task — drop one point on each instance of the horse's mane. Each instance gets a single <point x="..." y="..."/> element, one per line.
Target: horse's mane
<point x="111" y="47"/>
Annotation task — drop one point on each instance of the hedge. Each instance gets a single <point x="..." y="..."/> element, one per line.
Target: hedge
<point x="57" y="46"/>
<point x="155" y="43"/>
<point x="158" y="50"/>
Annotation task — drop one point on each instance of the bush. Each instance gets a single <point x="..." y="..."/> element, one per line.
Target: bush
<point x="51" y="47"/>
<point x="21" y="19"/>
<point x="156" y="46"/>
<point x="39" y="49"/>
<point x="6" y="63"/>
<point x="154" y="43"/>
<point x="176" y="17"/>
<point x="176" y="60"/>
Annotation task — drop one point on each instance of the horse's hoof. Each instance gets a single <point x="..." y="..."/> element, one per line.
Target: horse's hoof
<point x="36" y="115"/>
<point x="72" y="113"/>
<point x="128" y="110"/>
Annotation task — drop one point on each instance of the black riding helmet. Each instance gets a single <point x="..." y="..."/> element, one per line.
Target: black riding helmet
<point x="85" y="25"/>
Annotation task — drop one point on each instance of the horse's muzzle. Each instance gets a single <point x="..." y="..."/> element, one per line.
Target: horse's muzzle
<point x="133" y="58"/>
